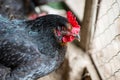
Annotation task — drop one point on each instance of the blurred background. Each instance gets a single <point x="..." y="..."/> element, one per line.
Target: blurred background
<point x="97" y="55"/>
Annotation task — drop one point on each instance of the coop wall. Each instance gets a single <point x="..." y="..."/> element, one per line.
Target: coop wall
<point x="105" y="49"/>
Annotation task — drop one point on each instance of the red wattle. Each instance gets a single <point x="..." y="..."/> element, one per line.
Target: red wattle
<point x="68" y="38"/>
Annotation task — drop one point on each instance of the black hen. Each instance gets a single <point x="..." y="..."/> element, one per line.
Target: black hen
<point x="12" y="8"/>
<point x="31" y="49"/>
<point x="20" y="8"/>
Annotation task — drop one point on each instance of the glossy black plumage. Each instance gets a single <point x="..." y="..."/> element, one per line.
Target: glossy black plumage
<point x="29" y="49"/>
<point x="12" y="8"/>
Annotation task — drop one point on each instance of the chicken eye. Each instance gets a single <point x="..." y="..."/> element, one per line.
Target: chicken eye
<point x="63" y="28"/>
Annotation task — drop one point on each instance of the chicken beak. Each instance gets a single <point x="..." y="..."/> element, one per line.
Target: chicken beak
<point x="77" y="37"/>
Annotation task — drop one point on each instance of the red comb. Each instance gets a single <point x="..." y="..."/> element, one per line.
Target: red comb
<point x="75" y="27"/>
<point x="73" y="22"/>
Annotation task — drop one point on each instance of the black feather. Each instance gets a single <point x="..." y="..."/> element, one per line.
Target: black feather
<point x="29" y="48"/>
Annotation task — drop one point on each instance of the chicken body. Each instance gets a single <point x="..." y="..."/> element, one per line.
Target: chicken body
<point x="12" y="8"/>
<point x="29" y="49"/>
